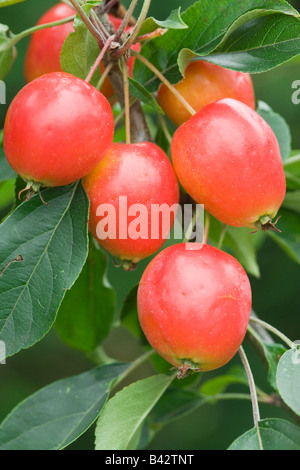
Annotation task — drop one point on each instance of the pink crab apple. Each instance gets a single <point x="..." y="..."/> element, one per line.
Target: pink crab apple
<point x="128" y="183"/>
<point x="194" y="303"/>
<point x="202" y="84"/>
<point x="228" y="158"/>
<point x="57" y="129"/>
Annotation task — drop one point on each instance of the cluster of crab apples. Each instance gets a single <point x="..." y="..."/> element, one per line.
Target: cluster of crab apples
<point x="194" y="300"/>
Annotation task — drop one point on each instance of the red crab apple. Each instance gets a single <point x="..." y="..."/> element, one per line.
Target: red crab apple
<point x="202" y="84"/>
<point x="227" y="157"/>
<point x="194" y="303"/>
<point x="57" y="129"/>
<point x="43" y="54"/>
<point x="126" y="191"/>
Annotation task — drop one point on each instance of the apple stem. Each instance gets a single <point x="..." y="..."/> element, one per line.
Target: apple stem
<point x="154" y="34"/>
<point x="16" y="260"/>
<point x="253" y="393"/>
<point x="126" y="100"/>
<point x="99" y="58"/>
<point x="166" y="82"/>
<point x="190" y="228"/>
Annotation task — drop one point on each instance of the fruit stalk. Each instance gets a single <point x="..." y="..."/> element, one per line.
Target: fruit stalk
<point x="254" y="399"/>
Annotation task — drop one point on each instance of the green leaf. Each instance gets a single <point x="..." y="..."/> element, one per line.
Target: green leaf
<point x="6" y="3"/>
<point x="6" y="194"/>
<point x="140" y="92"/>
<point x="52" y="240"/>
<point x="124" y="414"/>
<point x="292" y="201"/>
<point x="288" y="379"/>
<point x="209" y="23"/>
<point x="58" y="414"/>
<point x="174" y="404"/>
<point x="7" y="56"/>
<point x="289" y="238"/>
<point x="279" y="127"/>
<point x="255" y="47"/>
<point x="292" y="171"/>
<point x="276" y="434"/>
<point x="273" y="352"/>
<point x="79" y="52"/>
<point x="174" y="21"/>
<point x="87" y="311"/>
<point x="236" y="375"/>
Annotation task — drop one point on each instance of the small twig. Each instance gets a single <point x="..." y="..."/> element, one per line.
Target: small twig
<point x="190" y="229"/>
<point x="165" y="129"/>
<point x="253" y="393"/>
<point x="261" y="332"/>
<point x="206" y="227"/>
<point x="125" y="21"/>
<point x="132" y="38"/>
<point x="16" y="260"/>
<point x="67" y="2"/>
<point x="110" y="5"/>
<point x="91" y="27"/>
<point x="98" y="24"/>
<point x="135" y="364"/>
<point x="18" y="37"/>
<point x="154" y="34"/>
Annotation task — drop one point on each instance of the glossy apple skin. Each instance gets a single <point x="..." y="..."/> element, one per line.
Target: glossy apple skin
<point x="57" y="129"/>
<point x="204" y="83"/>
<point x="141" y="172"/>
<point x="194" y="303"/>
<point x="43" y="54"/>
<point x="228" y="158"/>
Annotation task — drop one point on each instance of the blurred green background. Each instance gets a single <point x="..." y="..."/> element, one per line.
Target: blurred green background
<point x="275" y="295"/>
